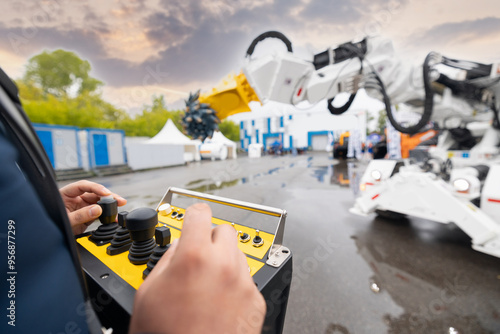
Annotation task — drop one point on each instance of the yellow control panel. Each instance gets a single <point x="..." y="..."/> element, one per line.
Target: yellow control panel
<point x="132" y="274"/>
<point x="117" y="256"/>
<point x="245" y="247"/>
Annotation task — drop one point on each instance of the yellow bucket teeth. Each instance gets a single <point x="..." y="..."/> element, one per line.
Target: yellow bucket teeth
<point x="231" y="96"/>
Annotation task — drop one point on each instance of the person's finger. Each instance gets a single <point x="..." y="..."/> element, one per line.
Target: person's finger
<point x="197" y="227"/>
<point x="85" y="215"/>
<point x="241" y="263"/>
<point x="80" y="187"/>
<point x="164" y="261"/>
<point x="91" y="198"/>
<point x="121" y="201"/>
<point x="225" y="237"/>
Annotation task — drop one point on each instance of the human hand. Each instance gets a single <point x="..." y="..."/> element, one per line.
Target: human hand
<point x="80" y="200"/>
<point x="200" y="285"/>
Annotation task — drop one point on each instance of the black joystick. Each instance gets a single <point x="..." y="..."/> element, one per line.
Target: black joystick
<point x="105" y="232"/>
<point x="162" y="236"/>
<point x="141" y="224"/>
<point x="121" y="239"/>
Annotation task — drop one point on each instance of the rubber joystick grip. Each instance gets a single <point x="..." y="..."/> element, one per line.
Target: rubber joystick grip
<point x="141" y="223"/>
<point x="122" y="216"/>
<point x="109" y="208"/>
<point x="162" y="235"/>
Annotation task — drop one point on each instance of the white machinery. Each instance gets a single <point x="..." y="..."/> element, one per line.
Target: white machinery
<point x="469" y="93"/>
<point x="213" y="151"/>
<point x="470" y="200"/>
<point x="465" y="94"/>
<point x="441" y="90"/>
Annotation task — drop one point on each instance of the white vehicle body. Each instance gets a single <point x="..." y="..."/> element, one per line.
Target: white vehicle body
<point x="415" y="192"/>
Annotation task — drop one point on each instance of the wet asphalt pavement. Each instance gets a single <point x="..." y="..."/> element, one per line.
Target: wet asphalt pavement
<point x="351" y="274"/>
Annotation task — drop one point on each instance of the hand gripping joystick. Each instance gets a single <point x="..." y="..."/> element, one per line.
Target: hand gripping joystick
<point x="105" y="232"/>
<point x="121" y="239"/>
<point x="162" y="236"/>
<point x="141" y="224"/>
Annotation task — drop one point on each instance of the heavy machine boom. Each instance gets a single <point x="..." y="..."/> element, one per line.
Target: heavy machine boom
<point x="441" y="90"/>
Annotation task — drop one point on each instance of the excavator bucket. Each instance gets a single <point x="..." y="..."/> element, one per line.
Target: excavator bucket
<point x="231" y="96"/>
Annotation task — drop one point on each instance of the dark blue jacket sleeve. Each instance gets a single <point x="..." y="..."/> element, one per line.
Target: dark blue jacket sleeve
<point x="40" y="289"/>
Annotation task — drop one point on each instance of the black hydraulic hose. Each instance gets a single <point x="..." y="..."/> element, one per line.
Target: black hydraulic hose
<point x="429" y="92"/>
<point x="269" y="34"/>
<point x="387" y="100"/>
<point x="496" y="119"/>
<point x="340" y="110"/>
<point x="428" y="102"/>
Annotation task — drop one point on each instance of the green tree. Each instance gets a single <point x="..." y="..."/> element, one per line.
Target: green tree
<point x="152" y="119"/>
<point x="57" y="89"/>
<point x="27" y="91"/>
<point x="230" y="130"/>
<point x="60" y="73"/>
<point x="84" y="110"/>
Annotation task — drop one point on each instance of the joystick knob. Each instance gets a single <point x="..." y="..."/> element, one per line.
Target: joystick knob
<point x="121" y="219"/>
<point x="163" y="236"/>
<point x="109" y="207"/>
<point x="141" y="224"/>
<point x="104" y="233"/>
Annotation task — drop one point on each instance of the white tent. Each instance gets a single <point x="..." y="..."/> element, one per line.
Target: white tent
<point x="219" y="138"/>
<point x="169" y="134"/>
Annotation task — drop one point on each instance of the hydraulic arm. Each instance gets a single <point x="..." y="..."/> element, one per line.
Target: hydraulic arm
<point x="471" y="92"/>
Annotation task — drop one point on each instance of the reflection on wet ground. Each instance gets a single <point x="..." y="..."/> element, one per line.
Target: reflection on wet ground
<point x="439" y="293"/>
<point x="343" y="173"/>
<point x="351" y="274"/>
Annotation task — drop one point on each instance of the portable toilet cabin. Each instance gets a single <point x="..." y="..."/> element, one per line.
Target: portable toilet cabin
<point x="104" y="148"/>
<point x="62" y="145"/>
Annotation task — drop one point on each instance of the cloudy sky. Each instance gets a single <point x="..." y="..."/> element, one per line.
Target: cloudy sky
<point x="139" y="48"/>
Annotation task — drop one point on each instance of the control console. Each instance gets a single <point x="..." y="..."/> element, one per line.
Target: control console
<point x="116" y="269"/>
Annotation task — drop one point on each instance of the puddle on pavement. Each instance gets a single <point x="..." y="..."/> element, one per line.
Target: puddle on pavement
<point x="440" y="295"/>
<point x="343" y="174"/>
<point x="195" y="182"/>
<point x="207" y="185"/>
<point x="214" y="186"/>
